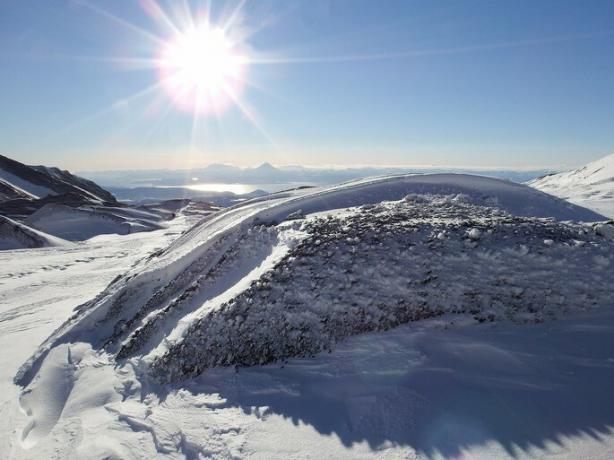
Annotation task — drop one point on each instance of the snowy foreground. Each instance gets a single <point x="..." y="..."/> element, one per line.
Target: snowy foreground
<point x="403" y="317"/>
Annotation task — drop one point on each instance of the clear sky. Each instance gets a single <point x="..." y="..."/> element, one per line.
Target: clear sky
<point x="491" y="83"/>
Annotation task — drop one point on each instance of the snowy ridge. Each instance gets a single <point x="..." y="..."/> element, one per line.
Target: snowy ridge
<point x="591" y="186"/>
<point x="25" y="186"/>
<point x="15" y="235"/>
<point x="41" y="182"/>
<point x="514" y="198"/>
<point x="119" y="312"/>
<point x="9" y="191"/>
<point x="78" y="224"/>
<point x="302" y="272"/>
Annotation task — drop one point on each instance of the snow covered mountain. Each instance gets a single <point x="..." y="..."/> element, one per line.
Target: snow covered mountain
<point x="591" y="186"/>
<point x="145" y="369"/>
<point x="15" y="235"/>
<point x="18" y="181"/>
<point x="267" y="173"/>
<point x="43" y="206"/>
<point x="84" y="222"/>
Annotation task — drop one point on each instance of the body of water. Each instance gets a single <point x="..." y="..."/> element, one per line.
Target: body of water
<point x="239" y="188"/>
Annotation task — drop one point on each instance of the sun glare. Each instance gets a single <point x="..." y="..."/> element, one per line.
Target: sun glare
<point x="201" y="61"/>
<point x="202" y="70"/>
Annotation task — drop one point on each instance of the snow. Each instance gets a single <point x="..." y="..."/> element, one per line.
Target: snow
<point x="15" y="235"/>
<point x="39" y="288"/>
<point x="383" y="266"/>
<point x="591" y="186"/>
<point x="462" y="318"/>
<point x="37" y="191"/>
<point x="9" y="191"/>
<point x="78" y="224"/>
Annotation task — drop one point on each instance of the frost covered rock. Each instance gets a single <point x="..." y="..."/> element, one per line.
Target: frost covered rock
<point x="375" y="269"/>
<point x="474" y="234"/>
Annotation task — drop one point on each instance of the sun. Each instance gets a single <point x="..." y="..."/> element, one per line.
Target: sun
<point x="202" y="69"/>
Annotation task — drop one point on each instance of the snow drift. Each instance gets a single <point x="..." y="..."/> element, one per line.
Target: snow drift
<point x="292" y="274"/>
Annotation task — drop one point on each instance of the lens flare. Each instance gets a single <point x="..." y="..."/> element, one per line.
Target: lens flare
<point x="203" y="70"/>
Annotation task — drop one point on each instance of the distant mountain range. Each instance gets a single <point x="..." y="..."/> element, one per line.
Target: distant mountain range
<point x="43" y="205"/>
<point x="268" y="175"/>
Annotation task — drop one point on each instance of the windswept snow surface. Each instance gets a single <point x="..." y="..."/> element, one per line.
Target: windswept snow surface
<point x="591" y="186"/>
<point x="39" y="288"/>
<point x="147" y="368"/>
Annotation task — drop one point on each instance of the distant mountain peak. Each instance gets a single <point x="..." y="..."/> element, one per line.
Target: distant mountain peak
<point x="266" y="166"/>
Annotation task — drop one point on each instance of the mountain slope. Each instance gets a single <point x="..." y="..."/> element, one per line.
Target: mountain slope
<point x="41" y="181"/>
<point x="219" y="259"/>
<point x="306" y="271"/>
<point x="591" y="186"/>
<point x="84" y="222"/>
<point x="15" y="235"/>
<point x="9" y="191"/>
<point x="47" y="200"/>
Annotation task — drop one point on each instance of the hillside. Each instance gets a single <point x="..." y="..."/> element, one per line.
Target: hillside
<point x="281" y="279"/>
<point x="41" y="205"/>
<point x="15" y="235"/>
<point x="591" y="186"/>
<point x="41" y="181"/>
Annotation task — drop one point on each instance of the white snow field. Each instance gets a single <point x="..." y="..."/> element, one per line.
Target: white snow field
<point x="39" y="288"/>
<point x="591" y="186"/>
<point x="434" y="316"/>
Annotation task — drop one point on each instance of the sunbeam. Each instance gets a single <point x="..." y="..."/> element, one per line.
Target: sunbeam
<point x="122" y="22"/>
<point x="197" y="64"/>
<point x="201" y="64"/>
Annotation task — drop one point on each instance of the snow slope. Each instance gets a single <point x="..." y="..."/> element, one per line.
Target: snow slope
<point x="82" y="223"/>
<point x="41" y="181"/>
<point x="134" y="373"/>
<point x="9" y="191"/>
<point x="39" y="288"/>
<point x="591" y="186"/>
<point x="14" y="235"/>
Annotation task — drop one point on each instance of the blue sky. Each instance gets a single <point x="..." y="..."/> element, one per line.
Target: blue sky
<point x="514" y="84"/>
